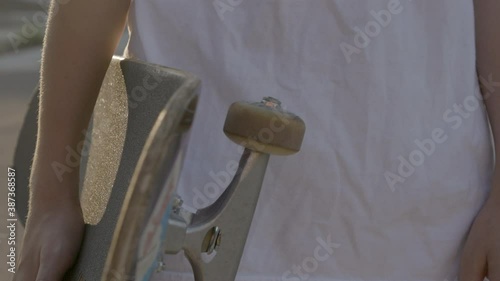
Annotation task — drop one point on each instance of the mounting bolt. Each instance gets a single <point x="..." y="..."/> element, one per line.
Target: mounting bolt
<point x="161" y="266"/>
<point x="177" y="204"/>
<point x="215" y="240"/>
<point x="271" y="102"/>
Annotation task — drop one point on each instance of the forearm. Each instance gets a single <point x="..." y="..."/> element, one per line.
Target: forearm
<point x="488" y="65"/>
<point x="80" y="40"/>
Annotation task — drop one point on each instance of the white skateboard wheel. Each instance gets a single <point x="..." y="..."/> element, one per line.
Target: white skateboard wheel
<point x="264" y="127"/>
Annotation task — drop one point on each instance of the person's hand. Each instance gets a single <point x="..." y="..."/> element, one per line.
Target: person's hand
<point x="481" y="255"/>
<point x="52" y="239"/>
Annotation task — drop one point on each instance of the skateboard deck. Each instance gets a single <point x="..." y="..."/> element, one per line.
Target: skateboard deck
<point x="130" y="165"/>
<point x="138" y="102"/>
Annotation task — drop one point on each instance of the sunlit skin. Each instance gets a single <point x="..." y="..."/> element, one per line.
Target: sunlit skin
<point x="80" y="40"/>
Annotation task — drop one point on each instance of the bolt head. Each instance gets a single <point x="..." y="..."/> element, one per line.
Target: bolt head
<point x="271" y="102"/>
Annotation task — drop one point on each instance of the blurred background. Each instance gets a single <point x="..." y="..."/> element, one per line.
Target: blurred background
<point x="22" y="27"/>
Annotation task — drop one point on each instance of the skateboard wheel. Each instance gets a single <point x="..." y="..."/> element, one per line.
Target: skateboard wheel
<point x="264" y="127"/>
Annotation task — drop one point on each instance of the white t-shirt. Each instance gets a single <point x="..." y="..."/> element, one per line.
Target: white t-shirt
<point x="397" y="157"/>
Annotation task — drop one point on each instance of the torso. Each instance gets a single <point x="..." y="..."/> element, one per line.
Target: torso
<point x="366" y="105"/>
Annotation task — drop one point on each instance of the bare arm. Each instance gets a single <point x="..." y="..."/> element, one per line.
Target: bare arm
<point x="80" y="40"/>
<point x="488" y="61"/>
<point x="481" y="255"/>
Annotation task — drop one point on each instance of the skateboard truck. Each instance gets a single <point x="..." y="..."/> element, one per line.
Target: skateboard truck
<point x="132" y="167"/>
<point x="214" y="237"/>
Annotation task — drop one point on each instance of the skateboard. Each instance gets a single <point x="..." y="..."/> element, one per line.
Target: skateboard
<point x="129" y="168"/>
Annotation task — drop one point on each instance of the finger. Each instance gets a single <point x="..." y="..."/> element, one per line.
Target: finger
<point x="50" y="270"/>
<point x="472" y="266"/>
<point x="53" y="263"/>
<point x="26" y="270"/>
